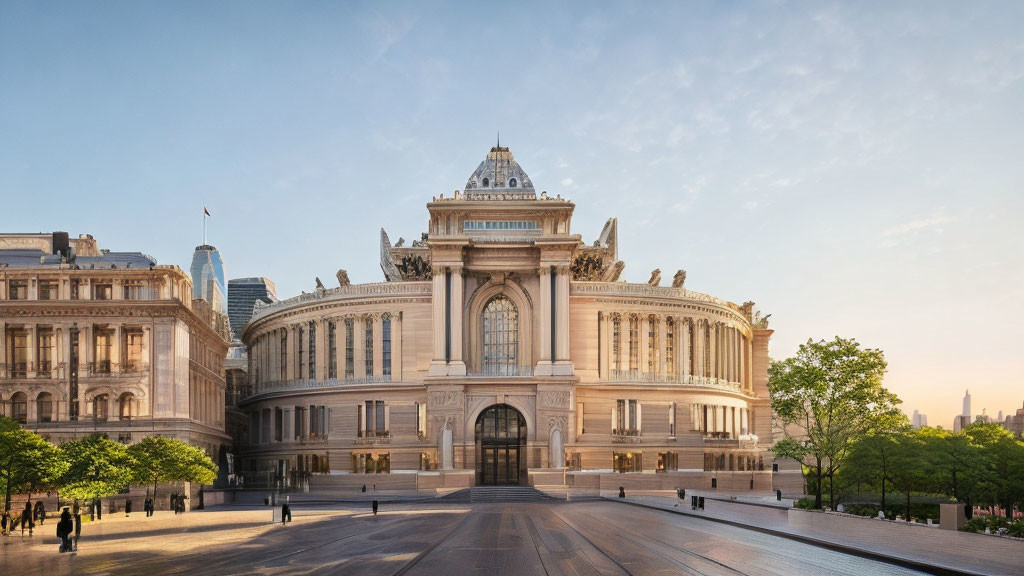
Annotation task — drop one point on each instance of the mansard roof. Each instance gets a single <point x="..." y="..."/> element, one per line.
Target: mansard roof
<point x="500" y="172"/>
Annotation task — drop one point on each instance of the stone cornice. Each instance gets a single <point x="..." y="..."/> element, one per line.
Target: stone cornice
<point x="627" y="294"/>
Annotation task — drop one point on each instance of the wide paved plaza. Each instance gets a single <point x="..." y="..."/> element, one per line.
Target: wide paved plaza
<point x="500" y="538"/>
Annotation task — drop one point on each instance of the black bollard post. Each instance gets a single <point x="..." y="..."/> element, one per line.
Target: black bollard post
<point x="374" y="507"/>
<point x="622" y="492"/>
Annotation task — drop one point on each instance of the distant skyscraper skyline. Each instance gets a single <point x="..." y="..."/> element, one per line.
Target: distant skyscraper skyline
<point x="243" y="293"/>
<point x="967" y="404"/>
<point x="919" y="420"/>
<point x="208" y="277"/>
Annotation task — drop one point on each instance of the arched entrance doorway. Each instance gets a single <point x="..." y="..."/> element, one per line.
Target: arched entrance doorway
<point x="500" y="447"/>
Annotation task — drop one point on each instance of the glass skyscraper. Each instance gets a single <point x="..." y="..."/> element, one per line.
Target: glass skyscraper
<point x="243" y="293"/>
<point x="208" y="277"/>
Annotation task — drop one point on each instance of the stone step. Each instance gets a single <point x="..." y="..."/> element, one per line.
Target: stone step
<point x="507" y="494"/>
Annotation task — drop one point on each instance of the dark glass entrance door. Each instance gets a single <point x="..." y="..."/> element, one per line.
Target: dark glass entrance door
<point x="500" y="440"/>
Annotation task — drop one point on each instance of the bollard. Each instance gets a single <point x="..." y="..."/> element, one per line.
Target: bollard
<point x="622" y="492"/>
<point x="778" y="495"/>
<point x="374" y="507"/>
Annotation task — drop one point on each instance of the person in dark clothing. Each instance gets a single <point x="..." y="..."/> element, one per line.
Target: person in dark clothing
<point x="374" y="507"/>
<point x="64" y="529"/>
<point x="39" y="512"/>
<point x="78" y="527"/>
<point x="127" y="507"/>
<point x="5" y="521"/>
<point x="147" y="506"/>
<point x="174" y="502"/>
<point x="286" y="513"/>
<point x="26" y="519"/>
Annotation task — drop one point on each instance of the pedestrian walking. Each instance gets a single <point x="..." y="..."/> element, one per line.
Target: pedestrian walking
<point x="5" y="521"/>
<point x="78" y="527"/>
<point x="174" y="502"/>
<point x="374" y="507"/>
<point x="65" y="527"/>
<point x="26" y="519"/>
<point x="128" y="507"/>
<point x="147" y="506"/>
<point x="286" y="513"/>
<point x="39" y="512"/>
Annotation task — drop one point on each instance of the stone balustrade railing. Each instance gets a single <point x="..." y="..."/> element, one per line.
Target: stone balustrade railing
<point x="418" y="288"/>
<point x="300" y="384"/>
<point x="689" y="380"/>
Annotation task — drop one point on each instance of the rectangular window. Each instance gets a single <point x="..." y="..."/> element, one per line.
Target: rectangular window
<point x="17" y="290"/>
<point x="284" y="356"/>
<point x="278" y="424"/>
<point x="616" y="344"/>
<point x="103" y="340"/>
<point x="634" y="344"/>
<point x="670" y="346"/>
<point x="627" y="417"/>
<point x="668" y="461"/>
<point x="623" y="462"/>
<point x="102" y="292"/>
<point x="135" y="291"/>
<point x="332" y="347"/>
<point x="349" y="348"/>
<point x="385" y="328"/>
<point x="265" y="427"/>
<point x="366" y="463"/>
<point x="652" y="345"/>
<point x="312" y="351"/>
<point x="299" y="423"/>
<point x="300" y="370"/>
<point x="376" y="418"/>
<point x="132" y="351"/>
<point x="369" y="347"/>
<point x="44" y="350"/>
<point x="48" y="290"/>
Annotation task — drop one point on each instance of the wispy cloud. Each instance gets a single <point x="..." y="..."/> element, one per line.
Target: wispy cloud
<point x="933" y="222"/>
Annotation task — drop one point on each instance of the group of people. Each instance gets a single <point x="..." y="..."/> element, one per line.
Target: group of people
<point x="178" y="502"/>
<point x="28" y="518"/>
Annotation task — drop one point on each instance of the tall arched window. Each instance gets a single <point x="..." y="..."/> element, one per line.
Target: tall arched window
<point x="368" y="346"/>
<point x="500" y="337"/>
<point x="19" y="407"/>
<point x="44" y="407"/>
<point x="127" y="406"/>
<point x="100" y="407"/>
<point x="670" y="345"/>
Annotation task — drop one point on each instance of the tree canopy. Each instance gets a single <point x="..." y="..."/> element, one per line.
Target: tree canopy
<point x="27" y="461"/>
<point x="97" y="467"/>
<point x="159" y="459"/>
<point x="826" y="398"/>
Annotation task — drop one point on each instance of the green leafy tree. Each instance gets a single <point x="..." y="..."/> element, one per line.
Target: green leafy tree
<point x="97" y="467"/>
<point x="955" y="462"/>
<point x="1002" y="482"/>
<point x="27" y="461"/>
<point x="870" y="461"/>
<point x="909" y="469"/>
<point x="826" y="398"/>
<point x="162" y="459"/>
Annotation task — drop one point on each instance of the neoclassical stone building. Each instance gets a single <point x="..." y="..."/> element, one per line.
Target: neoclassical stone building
<point x="502" y="349"/>
<point x="93" y="341"/>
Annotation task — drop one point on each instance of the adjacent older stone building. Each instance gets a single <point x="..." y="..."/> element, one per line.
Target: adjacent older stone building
<point x="105" y="342"/>
<point x="503" y="349"/>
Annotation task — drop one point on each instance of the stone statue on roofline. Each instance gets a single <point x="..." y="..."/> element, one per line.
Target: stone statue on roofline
<point x="342" y="277"/>
<point x="655" y="277"/>
<point x="319" y="285"/>
<point x="679" y="279"/>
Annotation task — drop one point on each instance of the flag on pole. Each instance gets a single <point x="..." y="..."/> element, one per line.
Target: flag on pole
<point x="205" y="211"/>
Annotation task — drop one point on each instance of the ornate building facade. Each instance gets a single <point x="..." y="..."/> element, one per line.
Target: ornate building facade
<point x="502" y="349"/>
<point x="107" y="342"/>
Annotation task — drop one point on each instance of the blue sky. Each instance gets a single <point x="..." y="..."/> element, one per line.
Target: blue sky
<point x="854" y="168"/>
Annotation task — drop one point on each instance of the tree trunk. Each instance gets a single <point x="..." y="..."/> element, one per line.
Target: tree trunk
<point x="908" y="505"/>
<point x="832" y="490"/>
<point x="817" y="485"/>
<point x="883" y="493"/>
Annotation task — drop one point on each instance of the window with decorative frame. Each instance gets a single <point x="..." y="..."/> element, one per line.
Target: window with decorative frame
<point x="652" y="344"/>
<point x="670" y="345"/>
<point x="617" y="342"/>
<point x="332" y="350"/>
<point x="284" y="355"/>
<point x="44" y="351"/>
<point x="385" y="346"/>
<point x="312" y="350"/>
<point x="368" y="341"/>
<point x="500" y="337"/>
<point x="634" y="343"/>
<point x="349" y="348"/>
<point x="48" y="290"/>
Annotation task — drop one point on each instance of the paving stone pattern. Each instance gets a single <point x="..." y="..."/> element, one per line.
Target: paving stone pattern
<point x="513" y="538"/>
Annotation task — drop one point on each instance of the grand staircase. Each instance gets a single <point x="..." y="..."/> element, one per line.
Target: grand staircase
<point x="507" y="494"/>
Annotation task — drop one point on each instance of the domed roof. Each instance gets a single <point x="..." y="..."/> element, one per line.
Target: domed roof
<point x="499" y="172"/>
